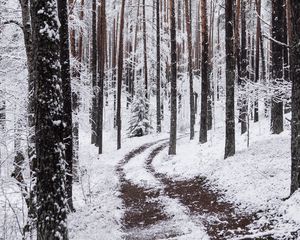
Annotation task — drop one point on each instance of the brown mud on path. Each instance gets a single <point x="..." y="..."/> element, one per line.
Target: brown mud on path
<point x="221" y="218"/>
<point x="143" y="210"/>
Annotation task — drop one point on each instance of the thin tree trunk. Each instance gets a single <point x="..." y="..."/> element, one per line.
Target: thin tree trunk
<point x="243" y="77"/>
<point x="173" y="121"/>
<point x="94" y="72"/>
<point x="295" y="76"/>
<point x="120" y="75"/>
<point x="258" y="33"/>
<point x="158" y="69"/>
<point x="230" y="78"/>
<point x="190" y="68"/>
<point x="101" y="71"/>
<point x="67" y="95"/>
<point x="145" y="50"/>
<point x="277" y="65"/>
<point x="204" y="75"/>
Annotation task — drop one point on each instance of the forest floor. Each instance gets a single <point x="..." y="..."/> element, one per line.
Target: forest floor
<point x="140" y="192"/>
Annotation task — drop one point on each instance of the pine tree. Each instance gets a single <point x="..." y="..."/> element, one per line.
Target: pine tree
<point x="230" y="79"/>
<point x="173" y="122"/>
<point x="67" y="94"/>
<point x="204" y="75"/>
<point x="190" y="67"/>
<point x="295" y="77"/>
<point x="158" y="69"/>
<point x="277" y="65"/>
<point x="120" y="75"/>
<point x="139" y="124"/>
<point x="49" y="124"/>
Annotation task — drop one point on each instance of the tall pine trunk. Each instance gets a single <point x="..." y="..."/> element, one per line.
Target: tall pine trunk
<point x="277" y="65"/>
<point x="244" y="63"/>
<point x="67" y="94"/>
<point x="158" y="69"/>
<point x="204" y="75"/>
<point x="257" y="57"/>
<point x="173" y="121"/>
<point x="101" y="71"/>
<point x="230" y="79"/>
<point x="190" y="67"/>
<point x="295" y="77"/>
<point x="49" y="124"/>
<point x="120" y="76"/>
<point x="94" y="72"/>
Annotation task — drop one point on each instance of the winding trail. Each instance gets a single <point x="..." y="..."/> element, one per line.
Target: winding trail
<point x="146" y="208"/>
<point x="219" y="217"/>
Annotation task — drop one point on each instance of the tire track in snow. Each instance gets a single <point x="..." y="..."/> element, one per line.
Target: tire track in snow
<point x="219" y="217"/>
<point x="149" y="213"/>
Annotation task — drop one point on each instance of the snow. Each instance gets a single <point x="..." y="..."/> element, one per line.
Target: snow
<point x="256" y="179"/>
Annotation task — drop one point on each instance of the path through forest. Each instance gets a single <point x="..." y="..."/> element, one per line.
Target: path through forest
<point x="146" y="208"/>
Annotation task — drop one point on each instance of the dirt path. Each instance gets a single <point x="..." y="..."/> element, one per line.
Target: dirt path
<point x="219" y="217"/>
<point x="145" y="211"/>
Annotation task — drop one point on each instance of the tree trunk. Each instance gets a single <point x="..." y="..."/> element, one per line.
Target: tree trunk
<point x="230" y="78"/>
<point x="120" y="76"/>
<point x="295" y="76"/>
<point x="67" y="95"/>
<point x="101" y="71"/>
<point x="158" y="69"/>
<point x="277" y="65"/>
<point x="145" y="50"/>
<point x="243" y="76"/>
<point x="190" y="68"/>
<point x="204" y="75"/>
<point x="173" y="121"/>
<point x="94" y="72"/>
<point x="49" y="124"/>
<point x="258" y="33"/>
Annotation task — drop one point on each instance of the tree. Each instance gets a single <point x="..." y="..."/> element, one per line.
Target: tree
<point x="67" y="94"/>
<point x="230" y="79"/>
<point x="94" y="72"/>
<point x="120" y="76"/>
<point x="139" y="124"/>
<point x="190" y="68"/>
<point x="145" y="49"/>
<point x="277" y="65"/>
<point x="158" y="67"/>
<point x="204" y="75"/>
<point x="101" y="70"/>
<point x="257" y="57"/>
<point x="173" y="121"/>
<point x="295" y="76"/>
<point x="244" y="63"/>
<point x="49" y="124"/>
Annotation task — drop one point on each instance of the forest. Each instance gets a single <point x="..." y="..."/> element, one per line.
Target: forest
<point x="149" y="119"/>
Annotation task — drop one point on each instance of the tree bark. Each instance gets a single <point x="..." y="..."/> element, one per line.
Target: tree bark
<point x="145" y="50"/>
<point x="158" y="69"/>
<point x="243" y="77"/>
<point x="230" y="79"/>
<point x="67" y="95"/>
<point x="257" y="76"/>
<point x="277" y="65"/>
<point x="190" y="68"/>
<point x="120" y="76"/>
<point x="94" y="72"/>
<point x="101" y="71"/>
<point x="295" y="76"/>
<point x="173" y="121"/>
<point x="204" y="75"/>
<point x="49" y="124"/>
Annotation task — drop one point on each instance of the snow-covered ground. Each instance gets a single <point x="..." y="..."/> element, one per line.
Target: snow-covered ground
<point x="256" y="179"/>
